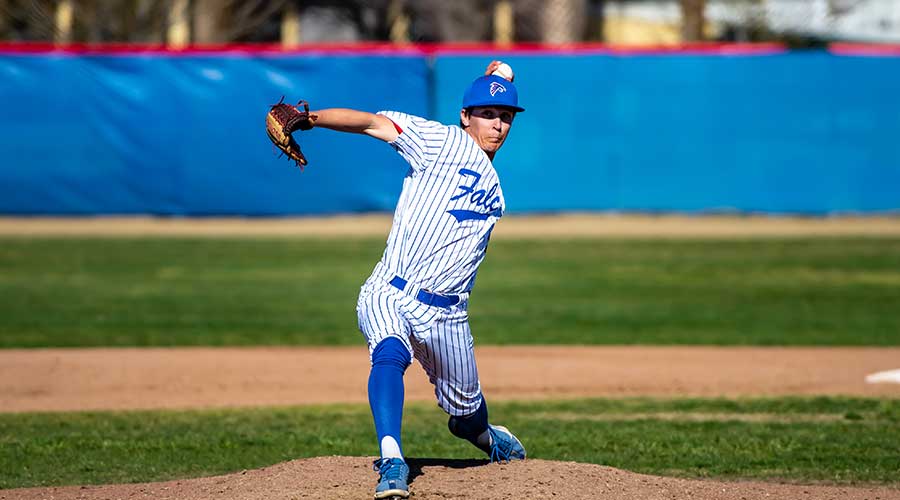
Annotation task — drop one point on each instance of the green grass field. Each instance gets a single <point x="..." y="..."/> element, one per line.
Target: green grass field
<point x="238" y="291"/>
<point x="809" y="440"/>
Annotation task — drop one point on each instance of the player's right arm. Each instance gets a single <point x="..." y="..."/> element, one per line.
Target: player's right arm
<point x="416" y="139"/>
<point x="357" y="122"/>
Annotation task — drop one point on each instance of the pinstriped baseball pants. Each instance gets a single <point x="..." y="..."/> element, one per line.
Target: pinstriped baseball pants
<point x="438" y="338"/>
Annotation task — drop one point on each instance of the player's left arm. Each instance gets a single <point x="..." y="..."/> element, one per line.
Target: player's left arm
<point x="357" y="122"/>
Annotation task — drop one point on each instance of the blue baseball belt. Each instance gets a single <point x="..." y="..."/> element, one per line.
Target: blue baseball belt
<point x="425" y="297"/>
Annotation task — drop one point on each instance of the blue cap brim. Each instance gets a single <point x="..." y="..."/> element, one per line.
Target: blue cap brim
<point x="494" y="105"/>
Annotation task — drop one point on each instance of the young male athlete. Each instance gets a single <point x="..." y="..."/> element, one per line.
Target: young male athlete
<point x="416" y="300"/>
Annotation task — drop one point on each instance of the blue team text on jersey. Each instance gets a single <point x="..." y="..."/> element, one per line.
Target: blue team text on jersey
<point x="488" y="199"/>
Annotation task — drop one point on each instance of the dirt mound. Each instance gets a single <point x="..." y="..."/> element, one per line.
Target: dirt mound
<point x="432" y="479"/>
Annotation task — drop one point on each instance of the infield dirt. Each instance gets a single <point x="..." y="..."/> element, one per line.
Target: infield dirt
<point x="514" y="226"/>
<point x="132" y="378"/>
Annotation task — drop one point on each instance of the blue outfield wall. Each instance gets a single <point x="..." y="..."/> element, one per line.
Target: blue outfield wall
<point x="799" y="132"/>
<point x="185" y="135"/>
<point x="788" y="133"/>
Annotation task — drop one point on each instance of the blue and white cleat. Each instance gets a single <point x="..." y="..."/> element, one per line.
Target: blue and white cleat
<point x="393" y="474"/>
<point x="504" y="446"/>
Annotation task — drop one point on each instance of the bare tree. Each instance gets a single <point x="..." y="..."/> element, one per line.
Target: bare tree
<point x="4" y="19"/>
<point x="445" y="21"/>
<point x="563" y="21"/>
<point x="28" y="20"/>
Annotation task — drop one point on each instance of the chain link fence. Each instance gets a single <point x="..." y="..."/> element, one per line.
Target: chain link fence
<point x="415" y="21"/>
<point x="807" y="21"/>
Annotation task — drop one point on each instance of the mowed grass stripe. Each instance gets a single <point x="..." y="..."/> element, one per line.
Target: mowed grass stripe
<point x="160" y="292"/>
<point x="83" y="448"/>
<point x="704" y="417"/>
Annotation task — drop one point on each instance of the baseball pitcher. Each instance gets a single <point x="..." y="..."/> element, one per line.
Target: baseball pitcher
<point x="415" y="303"/>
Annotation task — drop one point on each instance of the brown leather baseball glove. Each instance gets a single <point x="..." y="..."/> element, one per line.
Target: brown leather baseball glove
<point x="282" y="120"/>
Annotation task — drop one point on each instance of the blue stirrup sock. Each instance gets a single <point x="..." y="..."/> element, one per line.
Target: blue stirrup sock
<point x="390" y="358"/>
<point x="474" y="427"/>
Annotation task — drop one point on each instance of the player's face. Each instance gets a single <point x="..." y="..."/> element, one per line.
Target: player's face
<point x="489" y="126"/>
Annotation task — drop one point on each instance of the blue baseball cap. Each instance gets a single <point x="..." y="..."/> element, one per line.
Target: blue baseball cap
<point x="492" y="90"/>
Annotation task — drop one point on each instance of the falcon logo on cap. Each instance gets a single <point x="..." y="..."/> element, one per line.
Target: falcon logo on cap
<point x="496" y="87"/>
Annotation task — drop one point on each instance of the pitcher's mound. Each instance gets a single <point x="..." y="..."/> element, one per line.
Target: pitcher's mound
<point x="432" y="479"/>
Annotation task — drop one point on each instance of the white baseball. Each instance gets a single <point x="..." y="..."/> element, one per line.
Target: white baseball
<point x="504" y="71"/>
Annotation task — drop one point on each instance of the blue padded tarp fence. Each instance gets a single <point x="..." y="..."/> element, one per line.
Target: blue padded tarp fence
<point x="179" y="135"/>
<point x="174" y="134"/>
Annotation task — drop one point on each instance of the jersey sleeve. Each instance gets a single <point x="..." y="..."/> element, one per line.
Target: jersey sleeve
<point x="420" y="140"/>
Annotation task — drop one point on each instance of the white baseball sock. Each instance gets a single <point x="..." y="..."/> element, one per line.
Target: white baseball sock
<point x="390" y="448"/>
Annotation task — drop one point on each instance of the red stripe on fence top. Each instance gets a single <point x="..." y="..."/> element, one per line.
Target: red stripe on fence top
<point x="600" y="48"/>
<point x="392" y="49"/>
<point x="865" y="49"/>
<point x="250" y="48"/>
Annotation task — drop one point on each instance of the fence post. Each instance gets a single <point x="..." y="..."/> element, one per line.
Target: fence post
<point x="399" y="22"/>
<point x="63" y="22"/>
<point x="290" y="26"/>
<point x="179" y="33"/>
<point x="504" y="27"/>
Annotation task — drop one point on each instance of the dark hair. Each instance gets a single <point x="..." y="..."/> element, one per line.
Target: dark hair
<point x="468" y="113"/>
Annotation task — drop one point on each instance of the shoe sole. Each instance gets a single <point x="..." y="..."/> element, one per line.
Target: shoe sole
<point x="391" y="495"/>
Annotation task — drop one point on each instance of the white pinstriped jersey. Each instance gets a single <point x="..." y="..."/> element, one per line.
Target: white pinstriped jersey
<point x="450" y="201"/>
